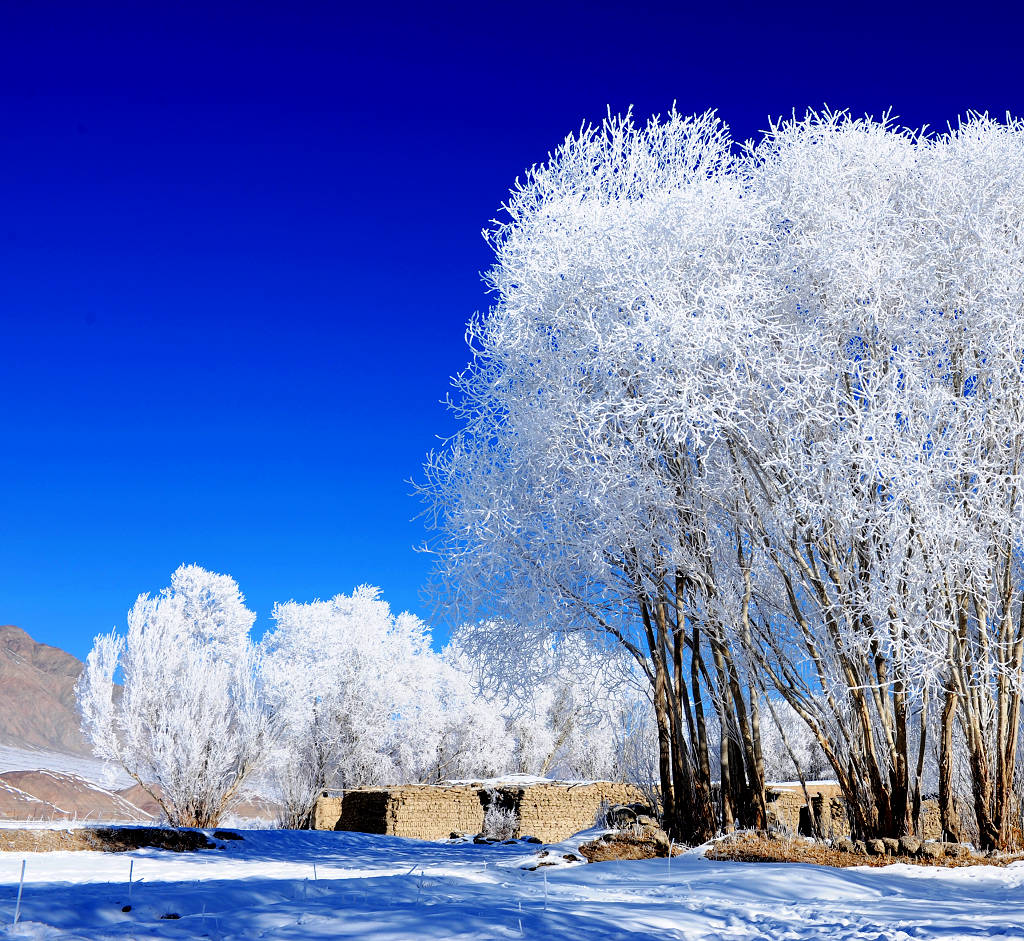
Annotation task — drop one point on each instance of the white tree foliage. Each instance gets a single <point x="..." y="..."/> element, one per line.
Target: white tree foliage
<point x="190" y="724"/>
<point x="341" y="693"/>
<point x="358" y="698"/>
<point x="756" y="414"/>
<point x="574" y="712"/>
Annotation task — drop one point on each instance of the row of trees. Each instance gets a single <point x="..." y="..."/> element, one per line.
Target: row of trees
<point x="754" y="415"/>
<point x="339" y="693"/>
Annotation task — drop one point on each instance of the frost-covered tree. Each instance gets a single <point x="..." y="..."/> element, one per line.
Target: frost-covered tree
<point x="329" y="684"/>
<point x="583" y="490"/>
<point x="887" y="491"/>
<point x="573" y="712"/>
<point x="190" y="724"/>
<point x="756" y="416"/>
<point x="358" y="697"/>
<point x="447" y="729"/>
<point x="791" y="752"/>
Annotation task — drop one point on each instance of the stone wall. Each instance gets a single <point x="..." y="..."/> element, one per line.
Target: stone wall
<point x="550" y="812"/>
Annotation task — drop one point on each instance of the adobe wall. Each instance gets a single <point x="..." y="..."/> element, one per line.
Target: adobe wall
<point x="326" y="812"/>
<point x="550" y="812"/>
<point x="786" y="803"/>
<point x="931" y="820"/>
<point x="426" y="812"/>
<point x="554" y="812"/>
<point x="418" y="811"/>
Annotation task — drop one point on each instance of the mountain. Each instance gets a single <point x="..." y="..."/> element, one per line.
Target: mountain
<point x="47" y="771"/>
<point x="42" y="752"/>
<point x="53" y="795"/>
<point x="37" y="695"/>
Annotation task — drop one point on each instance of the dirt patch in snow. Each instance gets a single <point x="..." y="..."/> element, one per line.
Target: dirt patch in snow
<point x="104" y="840"/>
<point x="757" y="848"/>
<point x="625" y="845"/>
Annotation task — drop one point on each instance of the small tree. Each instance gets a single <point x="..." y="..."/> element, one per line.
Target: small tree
<point x="190" y="725"/>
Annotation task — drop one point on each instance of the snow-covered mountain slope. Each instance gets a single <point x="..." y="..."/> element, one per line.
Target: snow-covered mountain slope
<point x="47" y="771"/>
<point x="40" y="784"/>
<point x="377" y="888"/>
<point x="15" y="758"/>
<point x="71" y="796"/>
<point x="16" y="804"/>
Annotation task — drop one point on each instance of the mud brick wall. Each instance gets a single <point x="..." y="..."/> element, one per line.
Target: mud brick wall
<point x="830" y="811"/>
<point x="365" y="811"/>
<point x="327" y="812"/>
<point x="434" y="812"/>
<point x="785" y="803"/>
<point x="550" y="812"/>
<point x="787" y="809"/>
<point x="931" y="822"/>
<point x="419" y="811"/>
<point x="554" y="812"/>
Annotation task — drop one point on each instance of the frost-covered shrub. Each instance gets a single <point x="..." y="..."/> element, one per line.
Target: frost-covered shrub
<point x="501" y="821"/>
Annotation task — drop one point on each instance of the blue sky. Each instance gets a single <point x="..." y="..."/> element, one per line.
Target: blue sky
<point x="239" y="245"/>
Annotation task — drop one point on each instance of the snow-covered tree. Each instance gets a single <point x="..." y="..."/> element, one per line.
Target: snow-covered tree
<point x="791" y="752"/>
<point x="358" y="697"/>
<point x="756" y="416"/>
<point x="573" y="712"/>
<point x="447" y="729"/>
<point x="583" y="490"/>
<point x="190" y="724"/>
<point x="887" y="491"/>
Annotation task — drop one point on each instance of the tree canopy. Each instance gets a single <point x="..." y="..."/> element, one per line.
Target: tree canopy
<point x="755" y="412"/>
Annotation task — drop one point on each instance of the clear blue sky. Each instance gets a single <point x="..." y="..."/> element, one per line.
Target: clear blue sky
<point x="239" y="244"/>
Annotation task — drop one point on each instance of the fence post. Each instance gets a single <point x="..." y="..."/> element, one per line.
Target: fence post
<point x="21" y="885"/>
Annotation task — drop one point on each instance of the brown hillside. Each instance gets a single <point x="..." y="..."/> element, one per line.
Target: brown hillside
<point x="15" y="804"/>
<point x="37" y="694"/>
<point x="141" y="798"/>
<point x="251" y="807"/>
<point x="74" y="795"/>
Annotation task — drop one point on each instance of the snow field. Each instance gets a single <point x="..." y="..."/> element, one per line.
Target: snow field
<point x="15" y="758"/>
<point x="389" y="889"/>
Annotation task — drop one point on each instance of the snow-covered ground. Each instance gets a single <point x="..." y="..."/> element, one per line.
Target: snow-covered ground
<point x="387" y="889"/>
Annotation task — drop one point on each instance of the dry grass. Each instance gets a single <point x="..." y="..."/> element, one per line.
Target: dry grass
<point x="625" y="846"/>
<point x="756" y="848"/>
<point x="103" y="839"/>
